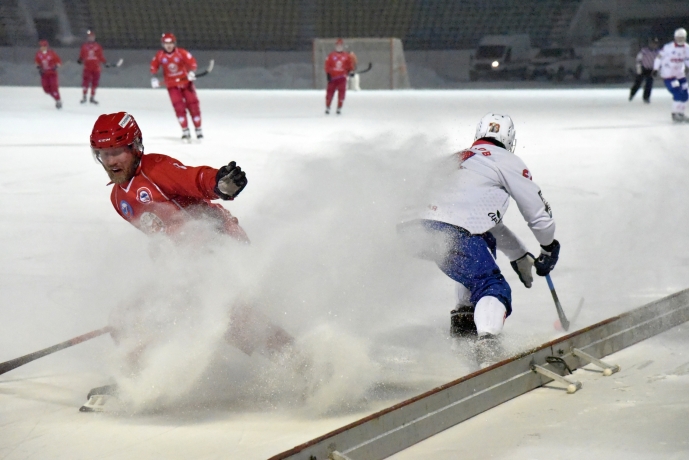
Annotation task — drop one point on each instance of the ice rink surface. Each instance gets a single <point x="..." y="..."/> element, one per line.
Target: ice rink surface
<point x="323" y="198"/>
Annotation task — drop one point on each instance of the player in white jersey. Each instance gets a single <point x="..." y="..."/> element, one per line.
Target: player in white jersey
<point x="461" y="227"/>
<point x="672" y="63"/>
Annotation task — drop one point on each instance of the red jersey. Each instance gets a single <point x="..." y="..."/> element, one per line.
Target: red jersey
<point x="164" y="194"/>
<point x="338" y="64"/>
<point x="91" y="55"/>
<point x="175" y="66"/>
<point x="47" y="62"/>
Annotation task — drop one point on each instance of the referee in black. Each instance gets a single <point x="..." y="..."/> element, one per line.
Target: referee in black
<point x="644" y="69"/>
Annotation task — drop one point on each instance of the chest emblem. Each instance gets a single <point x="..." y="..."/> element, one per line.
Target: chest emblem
<point x="164" y="60"/>
<point x="126" y="209"/>
<point x="172" y="67"/>
<point x="143" y="195"/>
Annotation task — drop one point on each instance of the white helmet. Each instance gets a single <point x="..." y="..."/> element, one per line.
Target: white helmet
<point x="681" y="35"/>
<point x="498" y="127"/>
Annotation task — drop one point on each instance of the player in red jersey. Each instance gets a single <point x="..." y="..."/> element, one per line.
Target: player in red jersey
<point x="179" y="68"/>
<point x="159" y="195"/>
<point x="47" y="62"/>
<point x="338" y="65"/>
<point x="91" y="55"/>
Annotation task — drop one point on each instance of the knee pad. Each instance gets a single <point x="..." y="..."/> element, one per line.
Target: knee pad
<point x="489" y="316"/>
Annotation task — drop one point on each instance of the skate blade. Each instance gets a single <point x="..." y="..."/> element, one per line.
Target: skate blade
<point x="100" y="403"/>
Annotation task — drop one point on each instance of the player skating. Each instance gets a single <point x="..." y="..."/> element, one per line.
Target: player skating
<point x="179" y="72"/>
<point x="47" y="62"/>
<point x="338" y="65"/>
<point x="159" y="195"/>
<point x="672" y="63"/>
<point x="461" y="227"/>
<point x="91" y="56"/>
<point x="644" y="70"/>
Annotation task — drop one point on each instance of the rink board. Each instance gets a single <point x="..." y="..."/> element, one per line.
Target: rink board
<point x="394" y="429"/>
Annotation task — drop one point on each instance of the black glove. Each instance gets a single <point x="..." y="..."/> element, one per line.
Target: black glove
<point x="548" y="258"/>
<point x="230" y="181"/>
<point x="328" y="76"/>
<point x="523" y="268"/>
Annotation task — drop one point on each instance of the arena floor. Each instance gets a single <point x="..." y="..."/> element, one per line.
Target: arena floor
<point x="324" y="194"/>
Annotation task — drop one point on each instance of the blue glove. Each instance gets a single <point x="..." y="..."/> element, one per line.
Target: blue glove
<point x="548" y="258"/>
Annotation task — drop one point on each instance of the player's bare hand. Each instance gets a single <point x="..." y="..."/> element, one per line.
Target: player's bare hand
<point x="231" y="180"/>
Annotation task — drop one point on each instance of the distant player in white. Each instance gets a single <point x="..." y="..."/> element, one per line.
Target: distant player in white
<point x="461" y="228"/>
<point x="672" y="63"/>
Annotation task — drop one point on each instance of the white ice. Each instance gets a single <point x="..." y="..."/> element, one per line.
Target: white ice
<point x="320" y="209"/>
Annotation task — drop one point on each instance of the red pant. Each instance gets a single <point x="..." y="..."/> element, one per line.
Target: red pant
<point x="50" y="84"/>
<point x="184" y="98"/>
<point x="90" y="78"/>
<point x="338" y="84"/>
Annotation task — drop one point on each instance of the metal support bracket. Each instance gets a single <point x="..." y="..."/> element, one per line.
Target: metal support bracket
<point x="572" y="387"/>
<point x="607" y="368"/>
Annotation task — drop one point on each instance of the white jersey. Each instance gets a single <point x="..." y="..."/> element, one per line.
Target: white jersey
<point x="475" y="195"/>
<point x="672" y="61"/>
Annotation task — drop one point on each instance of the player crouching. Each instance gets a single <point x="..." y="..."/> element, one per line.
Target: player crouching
<point x="461" y="228"/>
<point x="159" y="195"/>
<point x="179" y="72"/>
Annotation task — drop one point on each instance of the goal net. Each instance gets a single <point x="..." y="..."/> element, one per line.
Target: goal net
<point x="386" y="56"/>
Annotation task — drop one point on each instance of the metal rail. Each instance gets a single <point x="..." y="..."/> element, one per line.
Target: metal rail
<point x="393" y="429"/>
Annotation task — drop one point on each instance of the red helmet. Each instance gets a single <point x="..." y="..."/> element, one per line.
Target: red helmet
<point x="42" y="42"/>
<point x="168" y="38"/>
<point x="116" y="130"/>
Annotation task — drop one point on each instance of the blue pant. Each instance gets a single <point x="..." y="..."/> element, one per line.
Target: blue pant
<point x="679" y="92"/>
<point x="466" y="258"/>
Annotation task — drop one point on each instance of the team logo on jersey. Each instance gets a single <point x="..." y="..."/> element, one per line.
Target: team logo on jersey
<point x="164" y="60"/>
<point x="143" y="195"/>
<point x="495" y="216"/>
<point x="493" y="128"/>
<point x="527" y="174"/>
<point x="172" y="67"/>
<point x="126" y="209"/>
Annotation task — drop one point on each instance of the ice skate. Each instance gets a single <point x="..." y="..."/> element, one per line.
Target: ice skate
<point x="339" y="110"/>
<point x="199" y="133"/>
<point x="58" y="104"/>
<point x="99" y="397"/>
<point x="462" y="322"/>
<point x="93" y="101"/>
<point x="327" y="110"/>
<point x="186" y="136"/>
<point x="488" y="350"/>
<point x="83" y="99"/>
<point x="678" y="117"/>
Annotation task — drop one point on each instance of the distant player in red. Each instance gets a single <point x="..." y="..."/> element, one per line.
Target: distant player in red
<point x="91" y="56"/>
<point x="338" y="65"/>
<point x="179" y="68"/>
<point x="47" y="62"/>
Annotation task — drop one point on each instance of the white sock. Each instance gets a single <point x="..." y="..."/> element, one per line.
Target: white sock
<point x="463" y="294"/>
<point x="489" y="316"/>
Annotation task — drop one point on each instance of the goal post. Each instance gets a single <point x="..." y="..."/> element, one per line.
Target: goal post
<point x="386" y="55"/>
